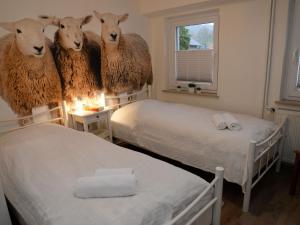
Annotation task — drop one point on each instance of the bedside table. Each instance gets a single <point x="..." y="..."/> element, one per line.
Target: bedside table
<point x="97" y="123"/>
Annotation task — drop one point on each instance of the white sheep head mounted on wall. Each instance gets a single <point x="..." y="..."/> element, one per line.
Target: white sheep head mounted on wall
<point x="110" y="30"/>
<point x="69" y="30"/>
<point x="29" y="36"/>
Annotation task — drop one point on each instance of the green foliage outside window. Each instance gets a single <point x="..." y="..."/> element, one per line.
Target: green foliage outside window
<point x="184" y="38"/>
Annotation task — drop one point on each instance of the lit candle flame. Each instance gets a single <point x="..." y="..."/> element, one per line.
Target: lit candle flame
<point x="102" y="100"/>
<point x="80" y="105"/>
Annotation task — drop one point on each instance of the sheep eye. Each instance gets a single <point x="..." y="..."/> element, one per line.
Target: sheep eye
<point x="80" y="26"/>
<point x="102" y="20"/>
<point x="118" y="22"/>
<point x="44" y="30"/>
<point x="19" y="31"/>
<point x="62" y="26"/>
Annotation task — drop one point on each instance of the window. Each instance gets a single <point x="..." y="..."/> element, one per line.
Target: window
<point x="291" y="84"/>
<point x="192" y="50"/>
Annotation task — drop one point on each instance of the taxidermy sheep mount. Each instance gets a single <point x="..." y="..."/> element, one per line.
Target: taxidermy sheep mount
<point x="76" y="55"/>
<point x="125" y="59"/>
<point x="28" y="76"/>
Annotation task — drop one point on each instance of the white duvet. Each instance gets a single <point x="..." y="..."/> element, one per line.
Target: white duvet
<point x="39" y="166"/>
<point x="187" y="134"/>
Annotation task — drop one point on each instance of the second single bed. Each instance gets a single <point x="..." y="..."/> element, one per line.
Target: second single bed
<point x="188" y="134"/>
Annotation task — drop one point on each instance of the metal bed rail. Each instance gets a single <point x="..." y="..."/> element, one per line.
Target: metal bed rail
<point x="215" y="203"/>
<point x="262" y="156"/>
<point x="121" y="100"/>
<point x="60" y="117"/>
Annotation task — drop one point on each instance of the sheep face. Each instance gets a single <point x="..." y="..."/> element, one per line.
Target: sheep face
<point x="29" y="36"/>
<point x="70" y="31"/>
<point x="110" y="30"/>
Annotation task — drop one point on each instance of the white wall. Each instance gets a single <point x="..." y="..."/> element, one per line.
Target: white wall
<point x="148" y="7"/>
<point x="243" y="38"/>
<point x="11" y="10"/>
<point x="278" y="51"/>
<point x="273" y="92"/>
<point x="243" y="43"/>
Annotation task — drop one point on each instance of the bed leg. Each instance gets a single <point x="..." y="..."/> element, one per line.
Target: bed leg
<point x="149" y="91"/>
<point x="218" y="193"/>
<point x="281" y="144"/>
<point x="247" y="195"/>
<point x="64" y="113"/>
<point x="246" y="201"/>
<point x="278" y="164"/>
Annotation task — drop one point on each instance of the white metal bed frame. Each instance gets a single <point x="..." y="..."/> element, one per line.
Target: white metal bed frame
<point x="61" y="117"/>
<point x="216" y="186"/>
<point x="270" y="150"/>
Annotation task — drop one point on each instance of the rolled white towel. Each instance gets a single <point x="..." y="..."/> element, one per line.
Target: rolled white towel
<point x="106" y="186"/>
<point x="113" y="171"/>
<point x="231" y="122"/>
<point x="219" y="121"/>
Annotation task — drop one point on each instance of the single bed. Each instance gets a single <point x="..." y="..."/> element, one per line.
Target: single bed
<point x="40" y="164"/>
<point x="187" y="134"/>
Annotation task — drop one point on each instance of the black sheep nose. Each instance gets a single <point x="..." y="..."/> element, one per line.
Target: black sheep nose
<point x="39" y="49"/>
<point x="114" y="36"/>
<point x="77" y="44"/>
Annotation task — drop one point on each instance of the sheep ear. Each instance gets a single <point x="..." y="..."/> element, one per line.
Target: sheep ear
<point x="9" y="26"/>
<point x="86" y="19"/>
<point x="123" y="17"/>
<point x="98" y="15"/>
<point x="47" y="20"/>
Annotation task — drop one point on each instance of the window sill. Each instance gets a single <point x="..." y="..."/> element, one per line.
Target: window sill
<point x="288" y="103"/>
<point x="185" y="92"/>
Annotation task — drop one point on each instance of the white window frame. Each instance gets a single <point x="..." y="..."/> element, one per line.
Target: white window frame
<point x="292" y="56"/>
<point x="192" y="19"/>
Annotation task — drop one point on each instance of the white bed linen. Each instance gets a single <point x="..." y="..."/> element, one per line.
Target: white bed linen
<point x="39" y="166"/>
<point x="188" y="134"/>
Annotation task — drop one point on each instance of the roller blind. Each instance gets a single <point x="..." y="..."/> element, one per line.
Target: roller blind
<point x="194" y="65"/>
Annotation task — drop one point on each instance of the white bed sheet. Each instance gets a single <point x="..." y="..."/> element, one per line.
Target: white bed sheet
<point x="187" y="134"/>
<point x="39" y="166"/>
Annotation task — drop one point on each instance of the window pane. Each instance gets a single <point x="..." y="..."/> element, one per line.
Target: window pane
<point x="194" y="56"/>
<point x="195" y="37"/>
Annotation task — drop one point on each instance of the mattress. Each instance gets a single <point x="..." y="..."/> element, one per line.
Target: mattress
<point x="39" y="166"/>
<point x="187" y="134"/>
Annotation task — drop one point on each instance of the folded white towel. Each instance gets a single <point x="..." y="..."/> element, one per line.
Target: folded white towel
<point x="113" y="171"/>
<point x="106" y="186"/>
<point x="219" y="121"/>
<point x="231" y="122"/>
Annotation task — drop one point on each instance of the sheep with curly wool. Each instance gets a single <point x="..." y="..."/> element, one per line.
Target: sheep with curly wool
<point x="28" y="76"/>
<point x="76" y="55"/>
<point x="125" y="58"/>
